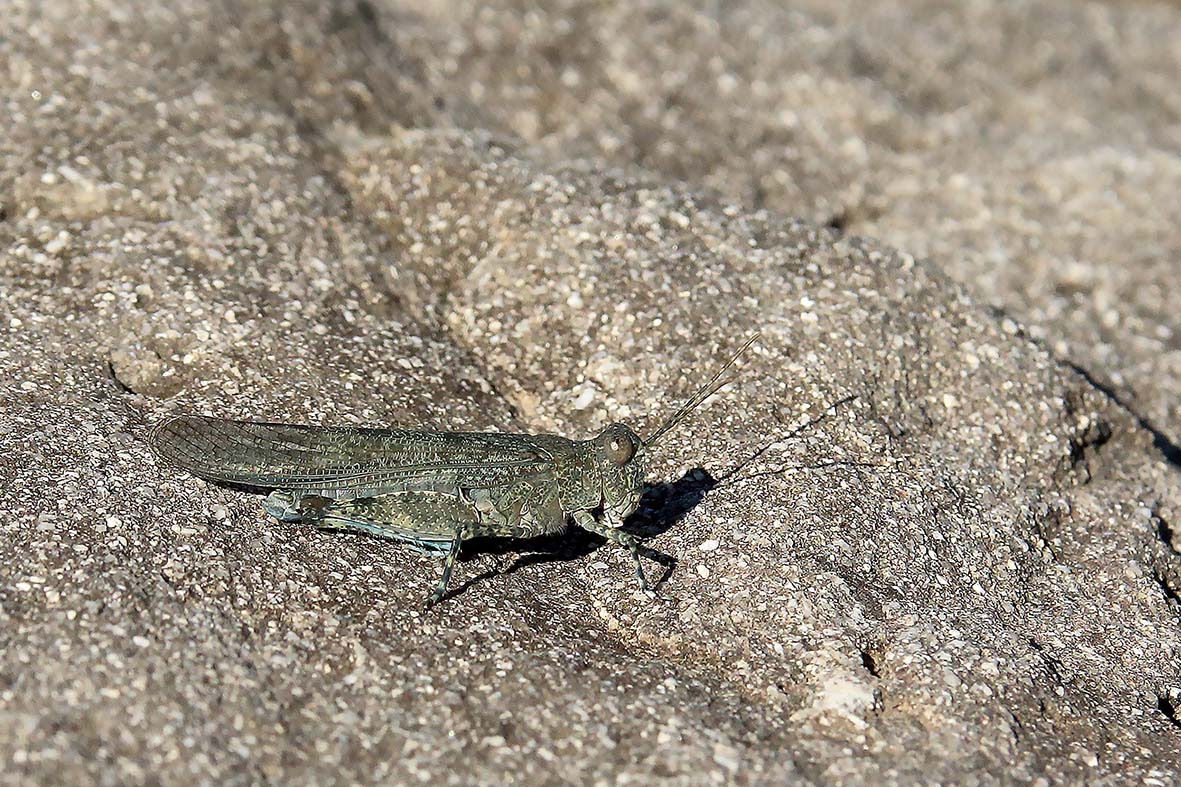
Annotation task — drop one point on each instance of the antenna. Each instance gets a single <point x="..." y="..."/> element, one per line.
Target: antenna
<point x="704" y="392"/>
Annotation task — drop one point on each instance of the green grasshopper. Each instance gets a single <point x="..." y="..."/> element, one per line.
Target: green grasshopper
<point x="430" y="489"/>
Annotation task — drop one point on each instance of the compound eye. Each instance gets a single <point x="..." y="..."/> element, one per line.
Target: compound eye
<point x="619" y="448"/>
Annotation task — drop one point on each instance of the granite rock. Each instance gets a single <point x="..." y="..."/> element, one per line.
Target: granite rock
<point x="926" y="536"/>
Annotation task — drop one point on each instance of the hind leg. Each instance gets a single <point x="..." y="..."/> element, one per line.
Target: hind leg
<point x="370" y="516"/>
<point x="426" y="520"/>
<point x="293" y="506"/>
<point x="332" y="523"/>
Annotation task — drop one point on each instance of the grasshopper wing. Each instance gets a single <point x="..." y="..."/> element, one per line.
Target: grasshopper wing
<point x="343" y="462"/>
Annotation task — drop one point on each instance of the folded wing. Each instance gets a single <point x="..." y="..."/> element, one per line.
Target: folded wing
<point x="342" y="462"/>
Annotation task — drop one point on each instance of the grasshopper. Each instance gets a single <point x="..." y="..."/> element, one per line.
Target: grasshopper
<point x="430" y="489"/>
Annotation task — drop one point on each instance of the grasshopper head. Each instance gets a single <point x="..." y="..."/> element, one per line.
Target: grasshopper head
<point x="620" y="452"/>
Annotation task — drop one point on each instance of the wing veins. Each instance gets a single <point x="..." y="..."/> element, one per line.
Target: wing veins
<point x="234" y="452"/>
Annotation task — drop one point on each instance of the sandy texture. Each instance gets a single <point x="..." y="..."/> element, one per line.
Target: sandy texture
<point x="927" y="537"/>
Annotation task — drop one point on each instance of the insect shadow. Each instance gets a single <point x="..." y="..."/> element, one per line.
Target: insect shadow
<point x="661" y="506"/>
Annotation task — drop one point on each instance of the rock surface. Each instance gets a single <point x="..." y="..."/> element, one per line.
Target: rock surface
<point x="927" y="537"/>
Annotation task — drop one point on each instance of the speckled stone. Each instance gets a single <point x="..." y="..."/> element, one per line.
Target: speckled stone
<point x="928" y="536"/>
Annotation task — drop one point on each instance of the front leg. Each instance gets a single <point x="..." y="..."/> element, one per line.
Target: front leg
<point x="587" y="521"/>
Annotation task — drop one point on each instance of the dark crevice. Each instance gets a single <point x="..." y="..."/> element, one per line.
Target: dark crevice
<point x="1164" y="531"/>
<point x="1161" y="559"/>
<point x="1000" y="314"/>
<point x="1017" y="726"/>
<point x="122" y="386"/>
<point x="870" y="661"/>
<point x="758" y="195"/>
<point x="1051" y="663"/>
<point x="1166" y="586"/>
<point x="514" y="413"/>
<point x="1169" y="449"/>
<point x="1047" y="527"/>
<point x="1168" y="708"/>
<point x="838" y="222"/>
<point x="368" y="15"/>
<point x="1086" y="442"/>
